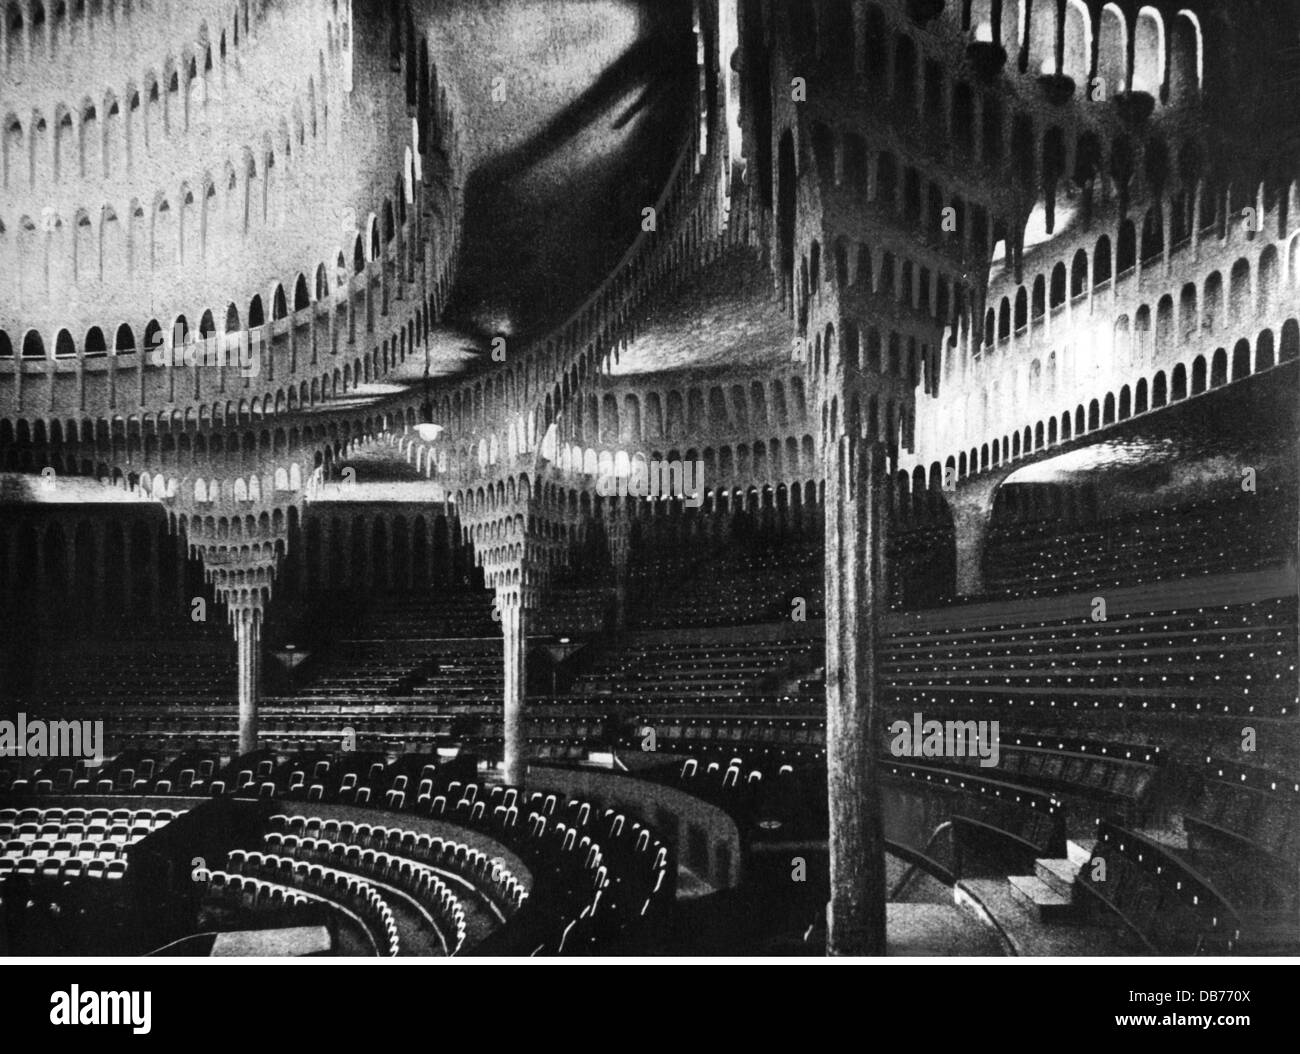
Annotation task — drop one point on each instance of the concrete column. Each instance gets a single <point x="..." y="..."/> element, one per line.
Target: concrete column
<point x="248" y="641"/>
<point x="856" y="914"/>
<point x="971" y="530"/>
<point x="514" y="731"/>
<point x="972" y="512"/>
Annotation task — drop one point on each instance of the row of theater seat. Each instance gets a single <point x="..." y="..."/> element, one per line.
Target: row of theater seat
<point x="1244" y="532"/>
<point x="434" y="896"/>
<point x="481" y="869"/>
<point x="450" y="669"/>
<point x="249" y="894"/>
<point x="1165" y="901"/>
<point x="66" y="843"/>
<point x="732" y="586"/>
<point x="432" y="613"/>
<point x="601" y="872"/>
<point x="53" y="867"/>
<point x="1244" y="809"/>
<point x="341" y="888"/>
<point x="1230" y="659"/>
<point x="199" y="669"/>
<point x="686" y="668"/>
<point x="1177" y="901"/>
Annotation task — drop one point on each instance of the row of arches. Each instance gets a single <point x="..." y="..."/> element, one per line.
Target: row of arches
<point x="1140" y="51"/>
<point x="1184" y="380"/>
<point x="1090" y="272"/>
<point x="893" y="354"/>
<point x="29" y="28"/>
<point x="677" y="413"/>
<point x="972" y="118"/>
<point x="760" y="461"/>
<point x="192" y="435"/>
<point x="103" y="136"/>
<point x="329" y="283"/>
<point x="181" y="229"/>
<point x="1248" y="294"/>
<point x="104" y="250"/>
<point x="224" y="413"/>
<point x="844" y="158"/>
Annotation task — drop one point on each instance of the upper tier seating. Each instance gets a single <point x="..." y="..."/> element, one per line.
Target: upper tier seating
<point x="170" y="669"/>
<point x="432" y="613"/>
<point x="733" y="586"/>
<point x="1217" y="536"/>
<point x="1233" y="659"/>
<point x="696" y="668"/>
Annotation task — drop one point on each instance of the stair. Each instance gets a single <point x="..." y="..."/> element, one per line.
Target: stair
<point x="1044" y="901"/>
<point x="1049" y="891"/>
<point x="1058" y="875"/>
<point x="1079" y="851"/>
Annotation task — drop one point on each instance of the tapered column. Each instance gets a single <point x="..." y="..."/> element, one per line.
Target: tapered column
<point x="514" y="731"/>
<point x="970" y="527"/>
<point x="856" y="915"/>
<point x="248" y="639"/>
<point x="971" y="504"/>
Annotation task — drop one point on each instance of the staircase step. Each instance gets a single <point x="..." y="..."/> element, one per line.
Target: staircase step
<point x="1058" y="874"/>
<point x="1044" y="901"/>
<point x="1079" y="850"/>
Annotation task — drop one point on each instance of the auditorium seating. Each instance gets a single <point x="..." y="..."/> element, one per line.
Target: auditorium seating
<point x="1238" y="659"/>
<point x="730" y="586"/>
<point x="1243" y="828"/>
<point x="177" y="665"/>
<point x="391" y="718"/>
<point x="704" y="728"/>
<point x="573" y="611"/>
<point x="1244" y="532"/>
<point x="431" y="614"/>
<point x="1162" y="899"/>
<point x="694" y="667"/>
<point x="249" y="893"/>
<point x="416" y="863"/>
<point x="1030" y="821"/>
<point x="1250" y="810"/>
<point x="348" y="893"/>
<point x="74" y="842"/>
<point x="1115" y="779"/>
<point x="598" y="872"/>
